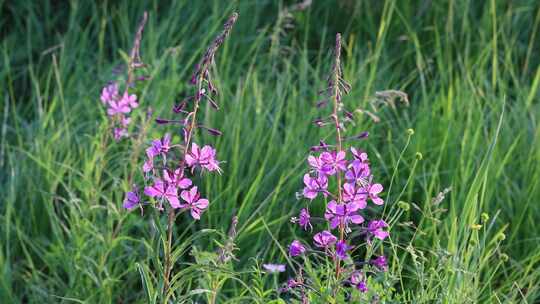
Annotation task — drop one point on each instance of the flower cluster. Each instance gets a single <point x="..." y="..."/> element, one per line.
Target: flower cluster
<point x="120" y="105"/>
<point x="118" y="108"/>
<point x="167" y="169"/>
<point x="342" y="178"/>
<point x="344" y="210"/>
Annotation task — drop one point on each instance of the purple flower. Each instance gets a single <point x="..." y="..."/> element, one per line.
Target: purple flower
<point x="355" y="195"/>
<point x="117" y="107"/>
<point x="162" y="190"/>
<point x="314" y="186"/>
<point x="129" y="100"/>
<point x="159" y="146"/>
<point x="291" y="283"/>
<point x="204" y="157"/>
<point x="304" y="219"/>
<point x="119" y="133"/>
<point x="273" y="268"/>
<point x="333" y="162"/>
<point x="373" y="190"/>
<point x="362" y="287"/>
<point x="358" y="173"/>
<point x="125" y="121"/>
<point x="177" y="178"/>
<point x="342" y="213"/>
<point x="380" y="262"/>
<point x="148" y="165"/>
<point x="324" y="239"/>
<point x="359" y="155"/>
<point x="109" y="93"/>
<point x="296" y="248"/>
<point x="376" y="229"/>
<point x="132" y="199"/>
<point x="357" y="279"/>
<point x="341" y="249"/>
<point x="318" y="165"/>
<point x="194" y="202"/>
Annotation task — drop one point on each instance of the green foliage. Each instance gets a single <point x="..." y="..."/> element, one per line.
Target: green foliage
<point x="471" y="71"/>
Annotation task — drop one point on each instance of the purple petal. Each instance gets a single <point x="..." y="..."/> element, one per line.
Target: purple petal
<point x="173" y="200"/>
<point x="377" y="200"/>
<point x="381" y="234"/>
<point x="152" y="191"/>
<point x="195" y="213"/>
<point x="201" y="204"/>
<point x="357" y="219"/>
<point x="375" y="189"/>
<point x="184" y="183"/>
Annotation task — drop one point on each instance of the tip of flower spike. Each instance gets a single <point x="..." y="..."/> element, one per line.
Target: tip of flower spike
<point x="233" y="18"/>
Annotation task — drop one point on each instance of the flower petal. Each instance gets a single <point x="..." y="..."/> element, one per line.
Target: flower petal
<point x="375" y="189"/>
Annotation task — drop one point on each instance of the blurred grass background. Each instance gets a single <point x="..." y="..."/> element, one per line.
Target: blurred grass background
<point x="471" y="69"/>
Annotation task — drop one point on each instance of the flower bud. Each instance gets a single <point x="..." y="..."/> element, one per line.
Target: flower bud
<point x="214" y="132"/>
<point x="162" y="121"/>
<point x="363" y="135"/>
<point x="193" y="79"/>
<point x="419" y="156"/>
<point x="404" y="205"/>
<point x="211" y="131"/>
<point x="485" y="217"/>
<point x="410" y="131"/>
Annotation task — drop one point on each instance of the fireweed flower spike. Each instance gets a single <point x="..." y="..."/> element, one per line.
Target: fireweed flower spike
<point x="120" y="105"/>
<point x="343" y="174"/>
<point x="169" y="167"/>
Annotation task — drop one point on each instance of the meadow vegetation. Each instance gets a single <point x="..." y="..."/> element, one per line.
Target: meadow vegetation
<point x="458" y="156"/>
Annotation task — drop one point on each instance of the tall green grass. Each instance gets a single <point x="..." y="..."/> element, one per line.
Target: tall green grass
<point x="471" y="69"/>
